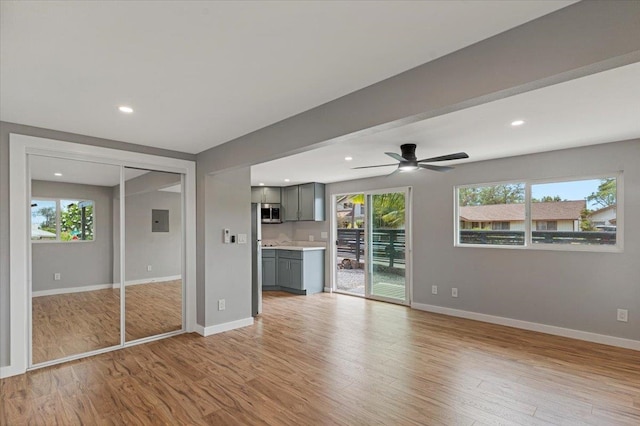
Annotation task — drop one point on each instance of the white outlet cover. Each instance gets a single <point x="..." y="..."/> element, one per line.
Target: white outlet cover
<point x="434" y="289"/>
<point x="454" y="292"/>
<point x="623" y="315"/>
<point x="221" y="305"/>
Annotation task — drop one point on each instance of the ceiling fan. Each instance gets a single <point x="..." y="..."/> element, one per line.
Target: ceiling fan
<point x="409" y="162"/>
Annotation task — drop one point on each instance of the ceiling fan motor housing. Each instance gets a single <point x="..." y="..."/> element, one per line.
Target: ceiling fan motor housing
<point x="409" y="151"/>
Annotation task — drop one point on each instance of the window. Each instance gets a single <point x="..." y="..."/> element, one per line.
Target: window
<point x="62" y="220"/>
<point x="546" y="225"/>
<point x="500" y="226"/>
<point x="566" y="214"/>
<point x="492" y="214"/>
<point x="576" y="209"/>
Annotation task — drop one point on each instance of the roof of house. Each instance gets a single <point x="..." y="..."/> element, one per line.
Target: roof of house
<point x="560" y="210"/>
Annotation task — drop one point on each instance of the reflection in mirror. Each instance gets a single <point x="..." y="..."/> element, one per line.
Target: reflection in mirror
<point x="153" y="247"/>
<point x="75" y="296"/>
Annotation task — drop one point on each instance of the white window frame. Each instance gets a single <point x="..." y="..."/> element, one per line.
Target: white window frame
<point x="59" y="225"/>
<point x="528" y="244"/>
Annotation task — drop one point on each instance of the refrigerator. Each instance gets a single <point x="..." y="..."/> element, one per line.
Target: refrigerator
<point x="256" y="259"/>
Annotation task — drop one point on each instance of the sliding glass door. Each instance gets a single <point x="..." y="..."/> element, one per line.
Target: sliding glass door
<point x="387" y="231"/>
<point x="372" y="255"/>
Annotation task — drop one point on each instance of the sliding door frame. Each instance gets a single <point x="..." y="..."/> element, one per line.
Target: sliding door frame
<point x="20" y="242"/>
<point x="407" y="190"/>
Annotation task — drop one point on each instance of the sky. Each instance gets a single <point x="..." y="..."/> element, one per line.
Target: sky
<point x="574" y="190"/>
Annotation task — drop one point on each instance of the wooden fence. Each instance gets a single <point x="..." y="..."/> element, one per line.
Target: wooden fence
<point x="388" y="245"/>
<point x="509" y="238"/>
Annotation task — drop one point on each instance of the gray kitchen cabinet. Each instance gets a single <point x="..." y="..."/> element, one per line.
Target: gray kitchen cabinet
<point x="290" y="203"/>
<point x="300" y="272"/>
<point x="266" y="194"/>
<point x="284" y="273"/>
<point x="268" y="268"/>
<point x="304" y="202"/>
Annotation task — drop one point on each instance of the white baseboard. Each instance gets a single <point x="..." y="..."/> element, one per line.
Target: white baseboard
<point x="66" y="290"/>
<point x="149" y="280"/>
<point x="55" y="291"/>
<point x="221" y="328"/>
<point x="9" y="371"/>
<point x="532" y="326"/>
<point x="328" y="290"/>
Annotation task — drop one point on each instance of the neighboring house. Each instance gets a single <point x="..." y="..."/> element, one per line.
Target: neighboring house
<point x="348" y="213"/>
<point x="551" y="216"/>
<point x="604" y="217"/>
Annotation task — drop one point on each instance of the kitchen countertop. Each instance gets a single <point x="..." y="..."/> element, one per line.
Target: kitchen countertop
<point x="298" y="248"/>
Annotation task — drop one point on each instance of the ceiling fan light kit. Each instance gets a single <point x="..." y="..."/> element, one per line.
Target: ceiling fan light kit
<point x="408" y="162"/>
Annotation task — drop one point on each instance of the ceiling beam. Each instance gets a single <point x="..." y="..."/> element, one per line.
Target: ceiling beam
<point x="579" y="40"/>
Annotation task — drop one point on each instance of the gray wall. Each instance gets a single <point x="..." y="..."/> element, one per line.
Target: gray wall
<point x="227" y="273"/>
<point x="578" y="40"/>
<point x="161" y="250"/>
<point x="5" y="129"/>
<point x="577" y="290"/>
<point x="80" y="264"/>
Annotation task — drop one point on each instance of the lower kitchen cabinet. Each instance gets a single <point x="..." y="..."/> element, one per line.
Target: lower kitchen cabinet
<point x="268" y="272"/>
<point x="296" y="271"/>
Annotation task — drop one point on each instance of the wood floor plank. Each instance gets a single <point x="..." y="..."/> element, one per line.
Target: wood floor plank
<point x="333" y="359"/>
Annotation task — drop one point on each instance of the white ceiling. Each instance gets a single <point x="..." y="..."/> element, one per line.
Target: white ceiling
<point x="201" y="73"/>
<point x="600" y="108"/>
<point x="81" y="172"/>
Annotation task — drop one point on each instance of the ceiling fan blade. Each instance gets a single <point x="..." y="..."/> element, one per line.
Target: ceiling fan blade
<point x="435" y="168"/>
<point x="456" y="156"/>
<point x="370" y="167"/>
<point x="395" y="156"/>
<point x="395" y="172"/>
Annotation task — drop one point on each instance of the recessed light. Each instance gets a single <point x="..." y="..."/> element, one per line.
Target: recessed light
<point x="287" y="180"/>
<point x="517" y="123"/>
<point x="348" y="158"/>
<point x="261" y="184"/>
<point x="125" y="109"/>
<point x="57" y="174"/>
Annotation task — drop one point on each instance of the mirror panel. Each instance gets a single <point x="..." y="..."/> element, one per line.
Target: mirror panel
<point x="153" y="247"/>
<point x="75" y="300"/>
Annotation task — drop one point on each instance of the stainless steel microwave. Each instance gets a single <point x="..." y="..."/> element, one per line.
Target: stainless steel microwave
<point x="270" y="213"/>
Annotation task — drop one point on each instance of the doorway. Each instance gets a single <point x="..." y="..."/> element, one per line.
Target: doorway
<point x="372" y="244"/>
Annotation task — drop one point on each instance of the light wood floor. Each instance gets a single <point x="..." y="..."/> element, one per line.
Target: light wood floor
<point x="74" y="323"/>
<point x="335" y="359"/>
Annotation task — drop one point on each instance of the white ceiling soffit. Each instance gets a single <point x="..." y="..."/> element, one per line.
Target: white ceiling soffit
<point x="175" y="188"/>
<point x="198" y="74"/>
<point x="79" y="172"/>
<point x="599" y="108"/>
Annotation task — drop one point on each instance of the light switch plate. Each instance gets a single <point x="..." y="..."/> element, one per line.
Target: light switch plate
<point x="242" y="238"/>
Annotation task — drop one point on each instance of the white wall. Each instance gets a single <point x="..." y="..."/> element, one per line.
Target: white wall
<point x="576" y="290"/>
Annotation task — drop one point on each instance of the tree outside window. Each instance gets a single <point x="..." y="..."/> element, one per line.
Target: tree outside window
<point x="62" y="220"/>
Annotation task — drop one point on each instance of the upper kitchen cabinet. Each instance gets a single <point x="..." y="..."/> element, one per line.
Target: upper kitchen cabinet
<point x="303" y="202"/>
<point x="265" y="194"/>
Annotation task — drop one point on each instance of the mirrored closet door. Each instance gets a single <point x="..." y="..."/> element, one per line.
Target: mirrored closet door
<point x="153" y="245"/>
<point x="75" y="291"/>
